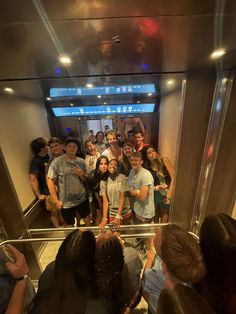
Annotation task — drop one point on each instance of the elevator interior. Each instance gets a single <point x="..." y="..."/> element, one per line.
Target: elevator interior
<point x="113" y="43"/>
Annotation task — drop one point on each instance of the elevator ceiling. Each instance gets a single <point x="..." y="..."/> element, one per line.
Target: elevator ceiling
<point x="112" y="41"/>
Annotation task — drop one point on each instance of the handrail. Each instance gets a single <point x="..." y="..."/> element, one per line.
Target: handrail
<point x="63" y="232"/>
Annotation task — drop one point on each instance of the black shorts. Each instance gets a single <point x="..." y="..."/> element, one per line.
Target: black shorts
<point x="70" y="213"/>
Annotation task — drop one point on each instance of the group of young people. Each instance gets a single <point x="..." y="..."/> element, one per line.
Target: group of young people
<point x="181" y="276"/>
<point x="112" y="184"/>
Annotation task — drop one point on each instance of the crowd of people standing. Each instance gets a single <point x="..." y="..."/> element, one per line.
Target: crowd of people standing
<point x="117" y="181"/>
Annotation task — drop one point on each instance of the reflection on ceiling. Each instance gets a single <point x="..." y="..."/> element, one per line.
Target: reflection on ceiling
<point x="112" y="42"/>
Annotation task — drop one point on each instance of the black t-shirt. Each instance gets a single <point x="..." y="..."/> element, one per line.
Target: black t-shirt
<point x="38" y="168"/>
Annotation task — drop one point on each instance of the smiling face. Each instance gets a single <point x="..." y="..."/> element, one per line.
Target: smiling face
<point x="112" y="140"/>
<point x="138" y="139"/>
<point x="56" y="149"/>
<point x="90" y="147"/>
<point x="113" y="166"/>
<point x="151" y="154"/>
<point x="103" y="165"/>
<point x="136" y="163"/>
<point x="127" y="150"/>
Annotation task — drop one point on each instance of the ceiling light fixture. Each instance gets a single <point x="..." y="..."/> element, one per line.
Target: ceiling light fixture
<point x="89" y="85"/>
<point x="104" y="103"/>
<point x="149" y="94"/>
<point x="170" y="82"/>
<point x="9" y="90"/>
<point x="48" y="98"/>
<point x="65" y="60"/>
<point x="216" y="54"/>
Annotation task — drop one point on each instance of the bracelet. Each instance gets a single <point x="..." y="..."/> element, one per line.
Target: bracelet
<point x="105" y="219"/>
<point x="118" y="217"/>
<point x="23" y="277"/>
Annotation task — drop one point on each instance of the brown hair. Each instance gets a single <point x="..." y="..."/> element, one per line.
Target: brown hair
<point x="54" y="140"/>
<point x="181" y="254"/>
<point x="137" y="155"/>
<point x="182" y="300"/>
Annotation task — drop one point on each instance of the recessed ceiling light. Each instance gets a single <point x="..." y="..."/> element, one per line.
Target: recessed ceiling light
<point x="71" y="105"/>
<point x="48" y="98"/>
<point x="65" y="60"/>
<point x="89" y="85"/>
<point x="99" y="96"/>
<point x="149" y="94"/>
<point x="9" y="90"/>
<point x="218" y="53"/>
<point x="170" y="82"/>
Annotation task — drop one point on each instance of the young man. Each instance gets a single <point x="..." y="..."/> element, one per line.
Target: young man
<point x="141" y="188"/>
<point x="66" y="175"/>
<point x="56" y="150"/>
<point x="139" y="141"/>
<point x="177" y="259"/>
<point x="37" y="171"/>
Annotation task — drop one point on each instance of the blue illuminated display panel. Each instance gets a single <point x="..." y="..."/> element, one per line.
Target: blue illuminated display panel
<point x="103" y="110"/>
<point x="102" y="90"/>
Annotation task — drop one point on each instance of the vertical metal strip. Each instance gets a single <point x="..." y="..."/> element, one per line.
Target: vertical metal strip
<point x="182" y="102"/>
<point x="216" y="123"/>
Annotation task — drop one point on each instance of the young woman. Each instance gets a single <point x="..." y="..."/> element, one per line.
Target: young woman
<point x="100" y="173"/>
<point x="124" y="165"/>
<point x="118" y="270"/>
<point x="162" y="172"/>
<point x="67" y="284"/>
<point x="99" y="140"/>
<point x="114" y="151"/>
<point x="116" y="208"/>
<point x="91" y="157"/>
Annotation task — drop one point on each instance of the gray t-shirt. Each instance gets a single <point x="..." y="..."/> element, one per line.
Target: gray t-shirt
<point x="146" y="208"/>
<point x="112" y="189"/>
<point x="70" y="187"/>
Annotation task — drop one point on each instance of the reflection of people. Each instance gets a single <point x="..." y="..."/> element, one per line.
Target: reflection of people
<point x="116" y="207"/>
<point x="162" y="172"/>
<point x="100" y="173"/>
<point x="141" y="188"/>
<point x="37" y="168"/>
<point x="66" y="175"/>
<point x="124" y="165"/>
<point x="91" y="157"/>
<point x="181" y="263"/>
<point x="56" y="150"/>
<point x="139" y="141"/>
<point x="99" y="140"/>
<point x="133" y="124"/>
<point x="91" y="136"/>
<point x="114" y="151"/>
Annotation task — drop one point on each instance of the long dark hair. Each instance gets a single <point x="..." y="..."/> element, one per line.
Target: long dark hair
<point x="109" y="263"/>
<point x="218" y="244"/>
<point x="146" y="162"/>
<point x="98" y="175"/>
<point x="73" y="278"/>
